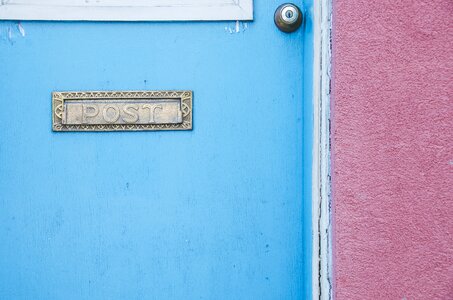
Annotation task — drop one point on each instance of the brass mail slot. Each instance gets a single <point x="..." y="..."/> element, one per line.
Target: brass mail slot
<point x="122" y="110"/>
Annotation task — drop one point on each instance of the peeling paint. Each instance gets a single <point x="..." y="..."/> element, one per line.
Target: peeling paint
<point x="11" y="30"/>
<point x="322" y="275"/>
<point x="238" y="27"/>
<point x="21" y="29"/>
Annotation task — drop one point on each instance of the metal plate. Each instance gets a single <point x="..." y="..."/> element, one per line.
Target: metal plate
<point x="122" y="110"/>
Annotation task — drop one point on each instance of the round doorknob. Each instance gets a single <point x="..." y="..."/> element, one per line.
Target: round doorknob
<point x="288" y="17"/>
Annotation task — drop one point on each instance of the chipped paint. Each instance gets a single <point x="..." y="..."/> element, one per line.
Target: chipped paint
<point x="321" y="190"/>
<point x="10" y="31"/>
<point x="237" y="27"/>
<point x="21" y="29"/>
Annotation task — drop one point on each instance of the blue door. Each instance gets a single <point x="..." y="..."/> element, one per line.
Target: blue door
<point x="219" y="212"/>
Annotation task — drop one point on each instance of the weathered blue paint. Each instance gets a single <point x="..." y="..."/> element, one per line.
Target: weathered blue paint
<point x="220" y="212"/>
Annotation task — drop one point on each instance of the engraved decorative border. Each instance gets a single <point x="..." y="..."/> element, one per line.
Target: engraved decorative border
<point x="58" y="99"/>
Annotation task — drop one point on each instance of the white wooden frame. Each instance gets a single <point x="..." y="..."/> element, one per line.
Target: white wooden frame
<point x="127" y="10"/>
<point x="322" y="265"/>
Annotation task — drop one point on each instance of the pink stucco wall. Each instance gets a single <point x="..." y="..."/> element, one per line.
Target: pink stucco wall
<point x="393" y="149"/>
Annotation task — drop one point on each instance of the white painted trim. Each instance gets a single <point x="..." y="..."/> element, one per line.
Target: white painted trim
<point x="322" y="202"/>
<point x="142" y="10"/>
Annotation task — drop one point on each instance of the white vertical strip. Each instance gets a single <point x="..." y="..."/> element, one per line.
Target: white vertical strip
<point x="322" y="214"/>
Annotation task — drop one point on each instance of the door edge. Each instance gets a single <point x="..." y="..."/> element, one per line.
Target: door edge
<point x="322" y="268"/>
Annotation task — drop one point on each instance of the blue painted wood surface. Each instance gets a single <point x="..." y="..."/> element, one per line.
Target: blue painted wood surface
<point x="220" y="212"/>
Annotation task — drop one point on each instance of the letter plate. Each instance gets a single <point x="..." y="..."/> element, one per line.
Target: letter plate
<point x="122" y="111"/>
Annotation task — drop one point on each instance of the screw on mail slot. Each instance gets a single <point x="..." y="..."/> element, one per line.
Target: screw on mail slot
<point x="128" y="110"/>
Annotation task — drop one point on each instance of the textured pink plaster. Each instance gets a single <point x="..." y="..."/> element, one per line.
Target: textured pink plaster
<point x="392" y="149"/>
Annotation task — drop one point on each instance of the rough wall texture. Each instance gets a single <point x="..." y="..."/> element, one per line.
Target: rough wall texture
<point x="392" y="156"/>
